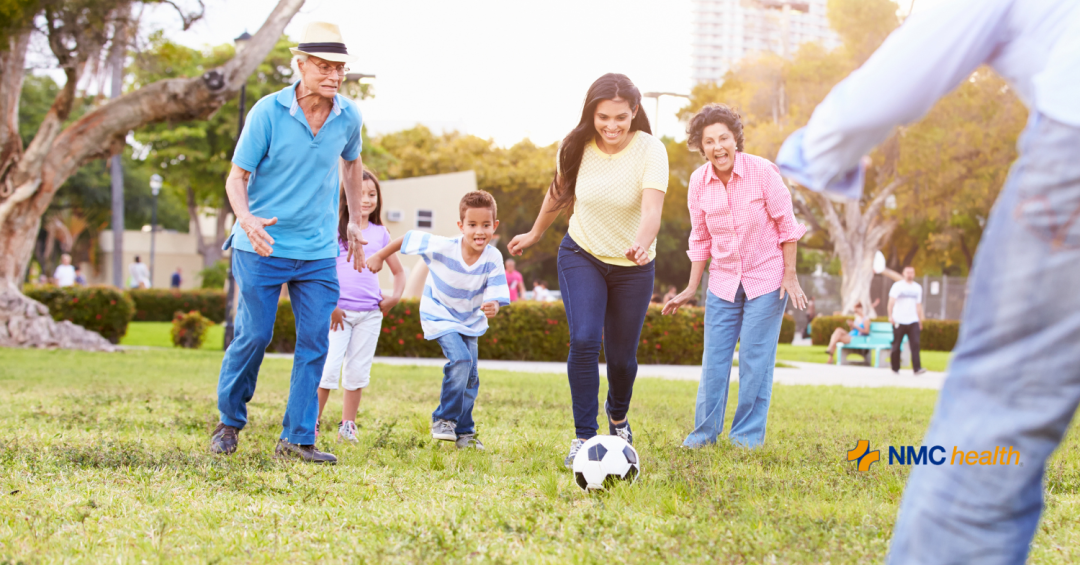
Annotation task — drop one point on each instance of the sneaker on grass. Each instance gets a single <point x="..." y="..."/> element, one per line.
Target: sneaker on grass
<point x="224" y="439"/>
<point x="465" y="441"/>
<point x="305" y="453"/>
<point x="575" y="446"/>
<point x="444" y="430"/>
<point x="622" y="430"/>
<point x="347" y="432"/>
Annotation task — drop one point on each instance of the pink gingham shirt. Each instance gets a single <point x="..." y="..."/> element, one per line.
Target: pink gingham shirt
<point x="741" y="226"/>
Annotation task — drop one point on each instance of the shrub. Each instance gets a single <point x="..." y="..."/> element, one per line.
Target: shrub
<point x="787" y="329"/>
<point x="159" y="305"/>
<point x="936" y="335"/>
<point x="189" y="330"/>
<point x="530" y="331"/>
<point x="213" y="277"/>
<point x="102" y="309"/>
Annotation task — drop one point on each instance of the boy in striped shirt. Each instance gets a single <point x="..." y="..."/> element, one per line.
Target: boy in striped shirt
<point x="465" y="286"/>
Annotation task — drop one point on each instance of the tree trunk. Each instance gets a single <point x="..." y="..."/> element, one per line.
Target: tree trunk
<point x="30" y="178"/>
<point x="856" y="238"/>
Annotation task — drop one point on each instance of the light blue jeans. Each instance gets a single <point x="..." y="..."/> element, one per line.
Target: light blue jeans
<point x="756" y="324"/>
<point x="461" y="382"/>
<point x="1014" y="379"/>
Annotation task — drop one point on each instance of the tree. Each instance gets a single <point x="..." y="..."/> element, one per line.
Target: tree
<point x="80" y="35"/>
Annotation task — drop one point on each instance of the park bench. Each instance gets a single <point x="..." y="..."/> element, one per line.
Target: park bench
<point x="869" y="346"/>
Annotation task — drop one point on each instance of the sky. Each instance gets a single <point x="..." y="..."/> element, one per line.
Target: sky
<point x="500" y="69"/>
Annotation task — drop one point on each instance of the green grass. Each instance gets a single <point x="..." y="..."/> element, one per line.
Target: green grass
<point x="931" y="360"/>
<point x="156" y="334"/>
<point x="103" y="459"/>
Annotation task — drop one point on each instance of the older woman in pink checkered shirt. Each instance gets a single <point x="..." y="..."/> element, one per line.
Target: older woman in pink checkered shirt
<point x="741" y="218"/>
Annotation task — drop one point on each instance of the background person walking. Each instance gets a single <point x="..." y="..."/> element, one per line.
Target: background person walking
<point x="906" y="317"/>
<point x="614" y="173"/>
<point x="741" y="218"/>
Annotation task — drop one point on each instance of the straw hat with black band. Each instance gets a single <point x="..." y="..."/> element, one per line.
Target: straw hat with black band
<point x="323" y="40"/>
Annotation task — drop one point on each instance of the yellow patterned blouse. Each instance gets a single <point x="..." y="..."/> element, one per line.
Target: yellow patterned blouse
<point x="607" y="210"/>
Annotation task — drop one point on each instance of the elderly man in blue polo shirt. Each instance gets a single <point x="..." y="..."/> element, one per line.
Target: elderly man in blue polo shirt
<point x="284" y="191"/>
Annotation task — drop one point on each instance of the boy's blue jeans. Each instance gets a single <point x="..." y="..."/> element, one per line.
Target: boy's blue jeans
<point x="313" y="291"/>
<point x="756" y="324"/>
<point x="1014" y="378"/>
<point x="461" y="382"/>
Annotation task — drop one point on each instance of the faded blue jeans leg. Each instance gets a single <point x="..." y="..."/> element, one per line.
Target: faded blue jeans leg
<point x="756" y="324"/>
<point x="461" y="382"/>
<point x="1014" y="379"/>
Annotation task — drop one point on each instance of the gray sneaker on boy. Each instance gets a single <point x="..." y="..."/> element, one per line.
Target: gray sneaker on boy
<point x="575" y="446"/>
<point x="444" y="430"/>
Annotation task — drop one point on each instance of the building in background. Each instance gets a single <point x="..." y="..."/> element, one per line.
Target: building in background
<point x="726" y="31"/>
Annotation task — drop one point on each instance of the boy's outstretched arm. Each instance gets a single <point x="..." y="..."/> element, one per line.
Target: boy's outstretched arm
<point x="375" y="262"/>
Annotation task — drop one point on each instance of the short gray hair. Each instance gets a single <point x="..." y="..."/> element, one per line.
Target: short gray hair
<point x="296" y="59"/>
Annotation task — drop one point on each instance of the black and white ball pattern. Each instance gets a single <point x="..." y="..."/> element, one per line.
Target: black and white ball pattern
<point x="603" y="461"/>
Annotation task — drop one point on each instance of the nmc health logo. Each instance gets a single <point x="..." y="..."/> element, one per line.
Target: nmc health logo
<point x="932" y="455"/>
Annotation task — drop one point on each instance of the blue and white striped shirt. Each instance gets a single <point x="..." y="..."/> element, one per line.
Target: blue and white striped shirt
<point x="454" y="291"/>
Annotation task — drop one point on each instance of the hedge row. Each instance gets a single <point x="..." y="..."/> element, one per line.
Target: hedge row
<point x="159" y="305"/>
<point x="936" y="335"/>
<point x="532" y="331"/>
<point x="102" y="309"/>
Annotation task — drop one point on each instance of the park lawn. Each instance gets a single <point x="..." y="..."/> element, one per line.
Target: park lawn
<point x="931" y="360"/>
<point x="103" y="459"/>
<point x="157" y="334"/>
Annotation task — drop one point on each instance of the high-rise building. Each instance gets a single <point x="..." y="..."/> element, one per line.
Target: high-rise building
<point x="725" y="31"/>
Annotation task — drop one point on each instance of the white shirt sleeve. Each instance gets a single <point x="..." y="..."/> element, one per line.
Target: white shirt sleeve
<point x="920" y="62"/>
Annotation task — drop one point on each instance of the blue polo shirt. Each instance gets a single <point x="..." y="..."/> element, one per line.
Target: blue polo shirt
<point x="294" y="174"/>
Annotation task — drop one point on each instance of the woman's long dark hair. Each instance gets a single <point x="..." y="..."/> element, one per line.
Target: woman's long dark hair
<point x="607" y="87"/>
<point x="343" y="209"/>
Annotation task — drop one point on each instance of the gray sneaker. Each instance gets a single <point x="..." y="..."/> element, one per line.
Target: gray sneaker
<point x="465" y="441"/>
<point x="444" y="430"/>
<point x="575" y="446"/>
<point x="305" y="453"/>
<point x="346" y="432"/>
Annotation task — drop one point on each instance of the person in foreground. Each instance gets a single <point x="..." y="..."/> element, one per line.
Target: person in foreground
<point x="355" y="323"/>
<point x="466" y="285"/>
<point x="1014" y="377"/>
<point x="284" y="190"/>
<point x="741" y="217"/>
<point x="614" y="174"/>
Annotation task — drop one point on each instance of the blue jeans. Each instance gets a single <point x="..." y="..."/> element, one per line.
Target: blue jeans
<point x="313" y="291"/>
<point x="1014" y="378"/>
<point x="461" y="382"/>
<point x="756" y="324"/>
<point x="605" y="306"/>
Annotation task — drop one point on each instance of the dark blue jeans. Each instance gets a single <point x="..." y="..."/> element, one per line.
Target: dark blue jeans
<point x="313" y="291"/>
<point x="605" y="306"/>
<point x="461" y="382"/>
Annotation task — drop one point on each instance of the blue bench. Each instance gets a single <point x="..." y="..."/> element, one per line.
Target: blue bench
<point x="869" y="346"/>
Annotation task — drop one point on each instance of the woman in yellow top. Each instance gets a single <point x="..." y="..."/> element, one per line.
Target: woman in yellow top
<point x="614" y="174"/>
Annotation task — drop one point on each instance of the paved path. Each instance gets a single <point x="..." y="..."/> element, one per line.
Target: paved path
<point x="800" y="374"/>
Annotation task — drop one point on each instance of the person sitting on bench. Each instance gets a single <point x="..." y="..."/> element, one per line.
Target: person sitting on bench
<point x="859" y="326"/>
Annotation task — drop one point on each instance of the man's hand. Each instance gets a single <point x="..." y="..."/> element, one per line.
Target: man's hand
<point x="892" y="322"/>
<point x="356" y="247"/>
<point x="679" y="301"/>
<point x="374" y="263"/>
<point x="490" y="309"/>
<point x="337" y="320"/>
<point x="386" y="304"/>
<point x="255" y="228"/>
<point x="638" y="254"/>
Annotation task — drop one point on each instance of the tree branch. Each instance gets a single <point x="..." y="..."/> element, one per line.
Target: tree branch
<point x="874" y="208"/>
<point x="188" y="18"/>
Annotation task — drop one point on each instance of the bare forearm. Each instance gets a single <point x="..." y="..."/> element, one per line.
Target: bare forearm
<point x="920" y="310"/>
<point x="547" y="215"/>
<point x="791" y="253"/>
<point x="697" y="268"/>
<point x="391" y="248"/>
<point x="652" y="206"/>
<point x="353" y="179"/>
<point x="236" y="189"/>
<point x="892" y="302"/>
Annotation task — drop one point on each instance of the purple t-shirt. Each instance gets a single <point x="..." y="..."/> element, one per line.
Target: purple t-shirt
<point x="360" y="290"/>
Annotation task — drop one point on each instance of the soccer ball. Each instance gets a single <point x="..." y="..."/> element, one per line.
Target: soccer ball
<point x="603" y="460"/>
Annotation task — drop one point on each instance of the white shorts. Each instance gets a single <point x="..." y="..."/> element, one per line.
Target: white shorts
<point x="355" y="345"/>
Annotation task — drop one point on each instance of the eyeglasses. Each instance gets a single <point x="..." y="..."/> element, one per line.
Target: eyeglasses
<point x="325" y="70"/>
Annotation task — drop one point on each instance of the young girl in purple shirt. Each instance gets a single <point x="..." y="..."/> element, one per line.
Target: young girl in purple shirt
<point x="355" y="323"/>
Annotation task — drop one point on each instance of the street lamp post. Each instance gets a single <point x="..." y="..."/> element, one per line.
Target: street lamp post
<point x="656" y="114"/>
<point x="230" y="293"/>
<point x="155" y="189"/>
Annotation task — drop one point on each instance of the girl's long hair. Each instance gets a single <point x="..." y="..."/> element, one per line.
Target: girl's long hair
<point x="607" y="87"/>
<point x="343" y="209"/>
